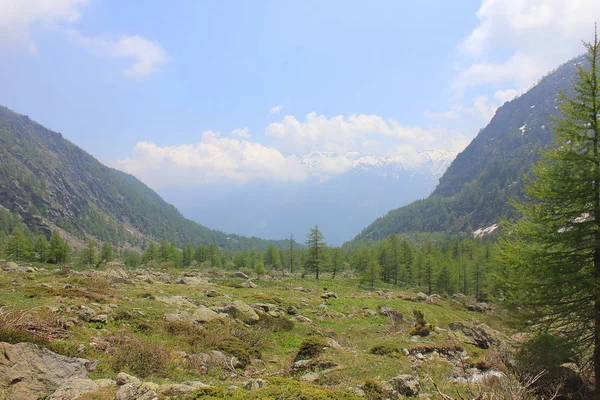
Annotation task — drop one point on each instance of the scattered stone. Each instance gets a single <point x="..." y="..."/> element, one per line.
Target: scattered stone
<point x="101" y="318"/>
<point x="29" y="371"/>
<point x="216" y="358"/>
<point x="394" y="315"/>
<point x="303" y="319"/>
<point x="177" y="301"/>
<point x="123" y="379"/>
<point x="368" y="311"/>
<point x="329" y="295"/>
<point x="479" y="307"/>
<point x="180" y="389"/>
<point x="192" y="281"/>
<point x="291" y="310"/>
<point x="333" y="344"/>
<point x="212" y="293"/>
<point x="137" y="391"/>
<point x="249" y="284"/>
<point x="76" y="388"/>
<point x="204" y="314"/>
<point x="480" y="335"/>
<point x="300" y="289"/>
<point x="309" y="377"/>
<point x="86" y="313"/>
<point x="254" y="384"/>
<point x="405" y="385"/>
<point x="241" y="275"/>
<point x="11" y="266"/>
<point x="421" y="297"/>
<point x="46" y="286"/>
<point x="242" y="311"/>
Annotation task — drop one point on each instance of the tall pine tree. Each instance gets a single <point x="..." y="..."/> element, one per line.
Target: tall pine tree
<point x="550" y="260"/>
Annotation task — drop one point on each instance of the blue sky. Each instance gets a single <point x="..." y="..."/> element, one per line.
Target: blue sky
<point x="191" y="92"/>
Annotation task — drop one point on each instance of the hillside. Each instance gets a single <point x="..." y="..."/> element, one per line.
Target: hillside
<point x="474" y="192"/>
<point x="50" y="182"/>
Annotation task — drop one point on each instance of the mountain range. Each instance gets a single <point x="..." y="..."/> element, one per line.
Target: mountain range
<point x="53" y="184"/>
<point x="341" y="205"/>
<point x="473" y="194"/>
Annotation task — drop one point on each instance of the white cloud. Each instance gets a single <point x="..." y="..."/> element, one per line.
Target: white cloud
<point x="538" y="34"/>
<point x="18" y="16"/>
<point x="242" y="133"/>
<point x="212" y="159"/>
<point x="507" y="95"/>
<point x="369" y="134"/>
<point x="276" y="109"/>
<point x="147" y="55"/>
<point x="481" y="109"/>
<point x="296" y="154"/>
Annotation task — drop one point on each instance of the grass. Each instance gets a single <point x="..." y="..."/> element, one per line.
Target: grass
<point x="137" y="339"/>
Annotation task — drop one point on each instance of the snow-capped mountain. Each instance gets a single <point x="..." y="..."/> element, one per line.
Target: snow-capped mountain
<point x="344" y="192"/>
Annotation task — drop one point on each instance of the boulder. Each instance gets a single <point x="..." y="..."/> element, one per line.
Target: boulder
<point x="479" y="307"/>
<point x="86" y="313"/>
<point x="394" y="315"/>
<point x="302" y="319"/>
<point x="421" y="297"/>
<point x="192" y="281"/>
<point x="137" y="391"/>
<point x="240" y="275"/>
<point x="242" y="311"/>
<point x="204" y="314"/>
<point x="405" y="385"/>
<point x="253" y="384"/>
<point x="180" y="389"/>
<point x="480" y="335"/>
<point x="291" y="310"/>
<point x="29" y="371"/>
<point x="10" y="266"/>
<point x="249" y="284"/>
<point x="329" y="295"/>
<point x="76" y="388"/>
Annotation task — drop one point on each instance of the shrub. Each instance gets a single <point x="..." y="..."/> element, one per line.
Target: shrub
<point x="421" y="327"/>
<point x="141" y="357"/>
<point x="310" y="347"/>
<point x="272" y="324"/>
<point x="236" y="348"/>
<point x="384" y="349"/>
<point x="373" y="390"/>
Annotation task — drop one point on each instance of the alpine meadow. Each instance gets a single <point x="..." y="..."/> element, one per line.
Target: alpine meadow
<point x="299" y="200"/>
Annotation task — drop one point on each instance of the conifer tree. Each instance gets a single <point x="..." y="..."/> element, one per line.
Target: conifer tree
<point x="550" y="260"/>
<point x="41" y="249"/>
<point x="316" y="246"/>
<point x="18" y="246"/>
<point x="107" y="253"/>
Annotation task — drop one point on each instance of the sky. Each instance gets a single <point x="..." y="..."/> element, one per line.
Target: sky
<point x="198" y="92"/>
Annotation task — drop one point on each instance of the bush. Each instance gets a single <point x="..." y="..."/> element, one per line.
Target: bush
<point x="543" y="352"/>
<point x="234" y="347"/>
<point x="277" y="388"/>
<point x="310" y="347"/>
<point x="272" y="324"/>
<point x="373" y="390"/>
<point x="141" y="357"/>
<point x="384" y="349"/>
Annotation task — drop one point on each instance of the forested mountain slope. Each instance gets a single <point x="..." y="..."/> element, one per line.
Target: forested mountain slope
<point x="473" y="193"/>
<point x="50" y="182"/>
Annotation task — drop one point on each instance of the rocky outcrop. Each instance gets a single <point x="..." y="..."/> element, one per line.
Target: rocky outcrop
<point x="405" y="385"/>
<point x="480" y="335"/>
<point x="242" y="311"/>
<point x="29" y="371"/>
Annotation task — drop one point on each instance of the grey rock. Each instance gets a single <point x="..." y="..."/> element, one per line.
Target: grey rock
<point x="86" y="313"/>
<point x="405" y="385"/>
<point x="242" y="311"/>
<point x="29" y="371"/>
<point x="480" y="335"/>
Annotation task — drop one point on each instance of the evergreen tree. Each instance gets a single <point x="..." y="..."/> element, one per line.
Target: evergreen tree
<point x="292" y="242"/>
<point x="316" y="246"/>
<point x="336" y="261"/>
<point x="89" y="254"/>
<point x="372" y="272"/>
<point x="550" y="260"/>
<point x="187" y="255"/>
<point x="151" y="254"/>
<point x="107" y="253"/>
<point x="272" y="258"/>
<point x="59" y="249"/>
<point x="394" y="257"/>
<point x="41" y="249"/>
<point x="18" y="247"/>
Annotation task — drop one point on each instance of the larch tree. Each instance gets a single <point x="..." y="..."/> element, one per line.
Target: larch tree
<point x="316" y="246"/>
<point x="550" y="259"/>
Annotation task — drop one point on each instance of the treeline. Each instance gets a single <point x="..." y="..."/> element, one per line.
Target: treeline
<point x="434" y="264"/>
